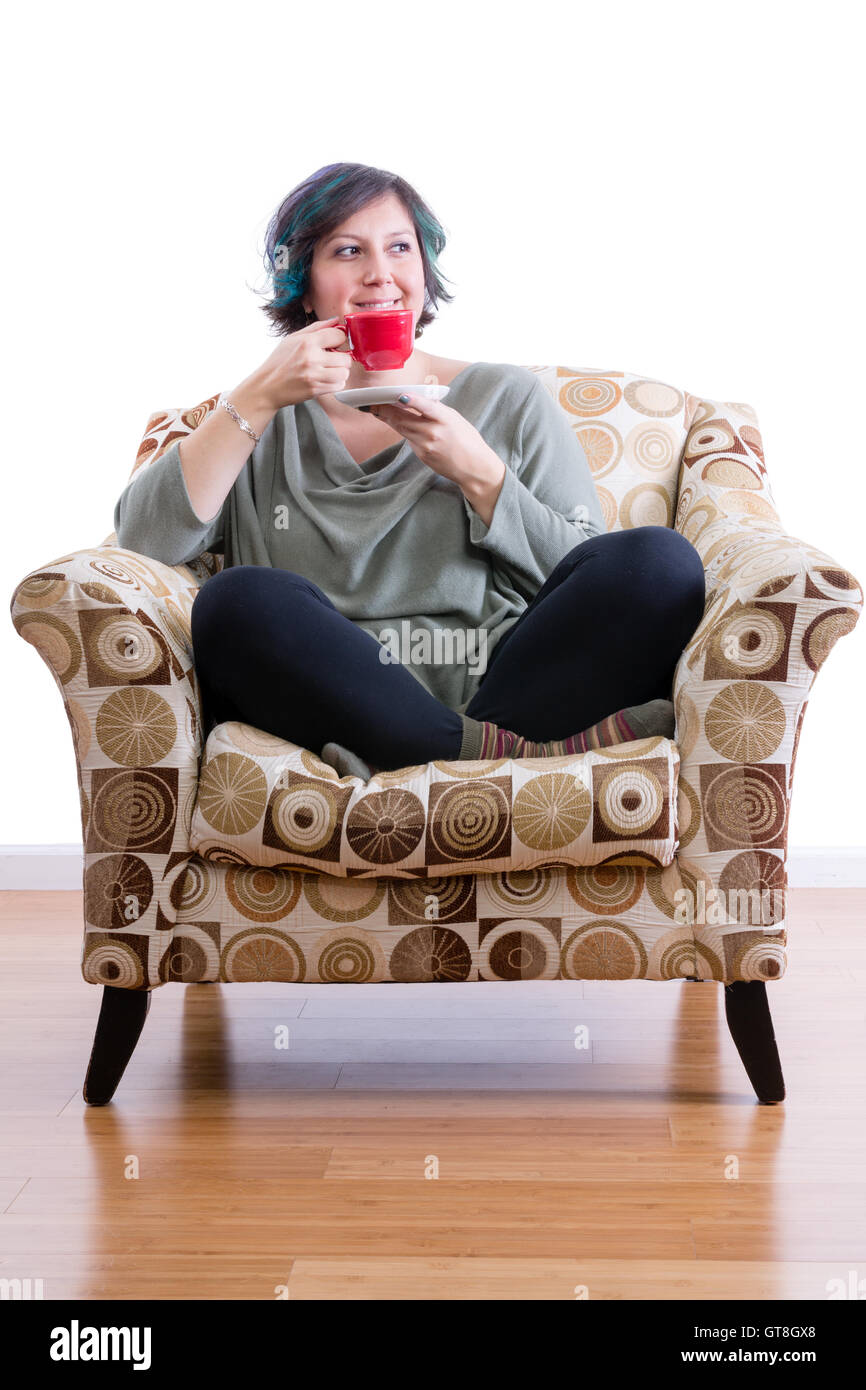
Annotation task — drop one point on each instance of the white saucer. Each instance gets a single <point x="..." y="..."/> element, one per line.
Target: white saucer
<point x="386" y="395"/>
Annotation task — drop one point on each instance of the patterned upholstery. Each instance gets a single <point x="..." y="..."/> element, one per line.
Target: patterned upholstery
<point x="266" y="801"/>
<point x="174" y="891"/>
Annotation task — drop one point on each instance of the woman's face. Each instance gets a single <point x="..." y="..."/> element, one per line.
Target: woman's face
<point x="373" y="256"/>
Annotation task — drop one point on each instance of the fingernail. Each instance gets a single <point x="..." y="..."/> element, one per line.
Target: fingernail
<point x="404" y="400"/>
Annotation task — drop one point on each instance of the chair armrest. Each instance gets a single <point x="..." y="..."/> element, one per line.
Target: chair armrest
<point x="776" y="606"/>
<point x="113" y="626"/>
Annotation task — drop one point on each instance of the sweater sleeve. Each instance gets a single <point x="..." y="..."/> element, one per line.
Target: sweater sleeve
<point x="155" y="517"/>
<point x="548" y="503"/>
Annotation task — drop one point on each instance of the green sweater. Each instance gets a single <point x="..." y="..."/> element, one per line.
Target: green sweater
<point x="395" y="546"/>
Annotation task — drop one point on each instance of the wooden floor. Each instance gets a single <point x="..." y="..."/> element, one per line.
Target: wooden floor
<point x="433" y="1141"/>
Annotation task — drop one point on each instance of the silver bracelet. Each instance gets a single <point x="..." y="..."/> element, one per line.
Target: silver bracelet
<point x="244" y="424"/>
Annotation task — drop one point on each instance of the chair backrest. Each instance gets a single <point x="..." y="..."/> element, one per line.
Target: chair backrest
<point x="631" y="427"/>
<point x="632" y="430"/>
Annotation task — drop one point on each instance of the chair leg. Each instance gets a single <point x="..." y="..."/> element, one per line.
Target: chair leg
<point x="118" y="1028"/>
<point x="747" y="1010"/>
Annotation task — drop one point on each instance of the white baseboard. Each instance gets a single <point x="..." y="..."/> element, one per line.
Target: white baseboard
<point x="840" y="867"/>
<point x="62" y="867"/>
<point x="41" y="867"/>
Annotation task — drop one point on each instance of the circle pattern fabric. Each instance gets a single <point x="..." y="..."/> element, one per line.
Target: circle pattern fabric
<point x="551" y="811"/>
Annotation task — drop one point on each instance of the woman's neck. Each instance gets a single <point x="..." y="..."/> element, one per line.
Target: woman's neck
<point x="412" y="373"/>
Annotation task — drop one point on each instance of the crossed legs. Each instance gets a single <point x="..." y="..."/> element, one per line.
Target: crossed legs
<point x="604" y="632"/>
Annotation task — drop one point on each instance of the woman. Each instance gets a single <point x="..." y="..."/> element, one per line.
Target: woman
<point x="431" y="579"/>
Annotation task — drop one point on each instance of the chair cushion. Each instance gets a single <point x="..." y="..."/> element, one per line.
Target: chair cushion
<point x="262" y="800"/>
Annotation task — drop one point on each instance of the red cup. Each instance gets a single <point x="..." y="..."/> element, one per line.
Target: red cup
<point x="382" y="340"/>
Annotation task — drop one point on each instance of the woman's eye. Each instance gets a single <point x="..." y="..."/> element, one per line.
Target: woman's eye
<point x="355" y="248"/>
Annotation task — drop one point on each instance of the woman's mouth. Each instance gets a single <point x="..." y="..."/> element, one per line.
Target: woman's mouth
<point x="378" y="303"/>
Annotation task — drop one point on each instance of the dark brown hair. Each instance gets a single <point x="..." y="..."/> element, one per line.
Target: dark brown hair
<point x="313" y="210"/>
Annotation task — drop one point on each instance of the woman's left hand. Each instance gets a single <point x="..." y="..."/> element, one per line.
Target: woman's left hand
<point x="444" y="440"/>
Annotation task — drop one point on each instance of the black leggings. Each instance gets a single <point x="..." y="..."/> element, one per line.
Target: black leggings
<point x="605" y="631"/>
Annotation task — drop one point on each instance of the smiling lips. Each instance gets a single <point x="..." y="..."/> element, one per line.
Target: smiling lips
<point x="378" y="303"/>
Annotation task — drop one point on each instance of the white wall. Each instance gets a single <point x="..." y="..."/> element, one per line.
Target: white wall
<point x="672" y="189"/>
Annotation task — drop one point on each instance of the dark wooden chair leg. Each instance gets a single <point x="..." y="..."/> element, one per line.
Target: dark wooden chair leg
<point x="118" y="1028"/>
<point x="747" y="1010"/>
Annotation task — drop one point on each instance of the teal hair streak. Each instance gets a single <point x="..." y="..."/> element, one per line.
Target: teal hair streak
<point x="291" y="282"/>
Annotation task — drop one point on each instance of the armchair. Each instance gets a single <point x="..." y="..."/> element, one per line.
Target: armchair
<point x="250" y="859"/>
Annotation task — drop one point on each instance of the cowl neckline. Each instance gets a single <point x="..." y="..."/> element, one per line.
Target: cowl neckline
<point x="341" y="466"/>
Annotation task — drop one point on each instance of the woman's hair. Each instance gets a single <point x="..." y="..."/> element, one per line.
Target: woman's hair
<point x="313" y="210"/>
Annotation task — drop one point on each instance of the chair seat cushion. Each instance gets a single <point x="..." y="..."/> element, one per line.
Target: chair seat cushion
<point x="262" y="800"/>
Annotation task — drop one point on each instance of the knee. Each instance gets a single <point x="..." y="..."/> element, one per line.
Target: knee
<point x="667" y="571"/>
<point x="235" y="599"/>
<point x="221" y="602"/>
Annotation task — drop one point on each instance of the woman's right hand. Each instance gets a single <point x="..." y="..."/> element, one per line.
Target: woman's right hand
<point x="303" y="365"/>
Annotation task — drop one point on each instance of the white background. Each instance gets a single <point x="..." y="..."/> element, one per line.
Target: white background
<point x="671" y="189"/>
